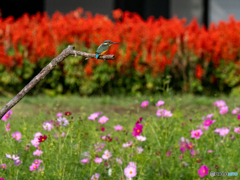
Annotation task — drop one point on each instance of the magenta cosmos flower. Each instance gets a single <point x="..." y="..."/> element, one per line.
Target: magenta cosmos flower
<point x="160" y="103"/>
<point x="208" y="122"/>
<point x="238" y="117"/>
<point x="168" y="153"/>
<point x="94" y="116"/>
<point x="7" y="115"/>
<point x="33" y="167"/>
<point x="203" y="171"/>
<point x="8" y="127"/>
<point x="196" y="133"/>
<point x="223" y="110"/>
<point x="210" y="151"/>
<point x="16" y="135"/>
<point x="95" y="176"/>
<point x="103" y="119"/>
<point x="3" y="166"/>
<point x="137" y="130"/>
<point x="118" y="128"/>
<point x="144" y="104"/>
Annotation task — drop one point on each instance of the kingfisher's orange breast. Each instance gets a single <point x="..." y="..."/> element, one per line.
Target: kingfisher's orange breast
<point x="104" y="51"/>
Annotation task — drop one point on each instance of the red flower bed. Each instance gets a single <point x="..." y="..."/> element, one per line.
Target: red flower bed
<point x="145" y="45"/>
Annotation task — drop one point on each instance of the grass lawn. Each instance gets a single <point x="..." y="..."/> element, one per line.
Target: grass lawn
<point x="62" y="155"/>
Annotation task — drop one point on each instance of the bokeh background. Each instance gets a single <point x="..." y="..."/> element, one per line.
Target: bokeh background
<point x="166" y="46"/>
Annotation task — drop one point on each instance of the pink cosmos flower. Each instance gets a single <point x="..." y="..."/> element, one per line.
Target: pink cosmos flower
<point x="167" y="113"/>
<point x="237" y="130"/>
<point x="98" y="160"/>
<point x="37" y="135"/>
<point x="47" y="125"/>
<point x="12" y="157"/>
<point x="8" y="127"/>
<point x="194" y="153"/>
<point x="183" y="146"/>
<point x="128" y="144"/>
<point x="160" y="112"/>
<point x="144" y="104"/>
<point x="106" y="155"/>
<point x="130" y="171"/>
<point x="17" y="162"/>
<point x="168" y="153"/>
<point x="59" y="114"/>
<point x="210" y="151"/>
<point x="118" y="128"/>
<point x="37" y="152"/>
<point x="103" y="119"/>
<point x="119" y="160"/>
<point x="224" y="131"/>
<point x="160" y="103"/>
<point x="223" y="110"/>
<point x="84" y="161"/>
<point x="209" y="116"/>
<point x="137" y="130"/>
<point x="190" y="146"/>
<point x="196" y="133"/>
<point x="236" y="110"/>
<point x="63" y="121"/>
<point x="203" y="127"/>
<point x="238" y="117"/>
<point x="208" y="122"/>
<point x="33" y="167"/>
<point x="94" y="116"/>
<point x="95" y="176"/>
<point x="7" y="115"/>
<point x="35" y="142"/>
<point x="99" y="147"/>
<point x="203" y="171"/>
<point x="141" y="138"/>
<point x="3" y="166"/>
<point x="16" y="135"/>
<point x="37" y="161"/>
<point x="139" y="150"/>
<point x="220" y="103"/>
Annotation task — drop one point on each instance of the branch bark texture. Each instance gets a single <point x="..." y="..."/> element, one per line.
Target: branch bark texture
<point x="65" y="53"/>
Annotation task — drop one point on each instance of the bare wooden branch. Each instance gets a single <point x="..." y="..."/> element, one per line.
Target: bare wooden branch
<point x="65" y="53"/>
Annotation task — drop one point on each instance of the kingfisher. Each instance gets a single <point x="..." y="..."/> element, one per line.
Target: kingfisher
<point x="104" y="47"/>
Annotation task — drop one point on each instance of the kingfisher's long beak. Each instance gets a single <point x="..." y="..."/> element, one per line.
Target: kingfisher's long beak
<point x="115" y="43"/>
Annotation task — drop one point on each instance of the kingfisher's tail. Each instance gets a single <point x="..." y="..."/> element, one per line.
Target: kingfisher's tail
<point x="97" y="55"/>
